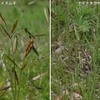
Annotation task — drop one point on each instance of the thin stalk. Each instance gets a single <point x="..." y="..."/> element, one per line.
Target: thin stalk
<point x="19" y="84"/>
<point x="14" y="68"/>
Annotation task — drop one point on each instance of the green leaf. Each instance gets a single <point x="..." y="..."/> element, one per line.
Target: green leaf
<point x="34" y="49"/>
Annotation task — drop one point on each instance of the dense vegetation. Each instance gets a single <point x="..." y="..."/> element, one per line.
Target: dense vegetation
<point x="24" y="60"/>
<point x="75" y="50"/>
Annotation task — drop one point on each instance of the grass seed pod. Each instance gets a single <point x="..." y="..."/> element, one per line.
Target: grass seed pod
<point x="29" y="47"/>
<point x="14" y="26"/>
<point x="2" y="20"/>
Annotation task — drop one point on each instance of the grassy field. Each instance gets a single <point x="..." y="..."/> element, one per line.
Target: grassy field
<point x="31" y="16"/>
<point x="75" y="59"/>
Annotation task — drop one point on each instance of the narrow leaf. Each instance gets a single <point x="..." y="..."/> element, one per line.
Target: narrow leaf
<point x="2" y="93"/>
<point x="2" y="20"/>
<point x="11" y="60"/>
<point x="15" y="75"/>
<point x="26" y="30"/>
<point x="30" y="35"/>
<point x="37" y="77"/>
<point x="14" y="26"/>
<point x="34" y="49"/>
<point x="5" y="31"/>
<point x="24" y="65"/>
<point x="5" y="88"/>
<point x="15" y="43"/>
<point x="29" y="47"/>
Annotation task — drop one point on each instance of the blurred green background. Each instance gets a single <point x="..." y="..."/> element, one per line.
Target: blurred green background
<point x="31" y="16"/>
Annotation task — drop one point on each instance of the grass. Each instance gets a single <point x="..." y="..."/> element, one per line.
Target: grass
<point x="33" y="18"/>
<point x="75" y="51"/>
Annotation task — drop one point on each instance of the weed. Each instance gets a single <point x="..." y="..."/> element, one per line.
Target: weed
<point x="17" y="59"/>
<point x="75" y="44"/>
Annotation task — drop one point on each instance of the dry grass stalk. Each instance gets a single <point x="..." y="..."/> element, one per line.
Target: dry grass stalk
<point x="46" y="14"/>
<point x="14" y="26"/>
<point x="37" y="77"/>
